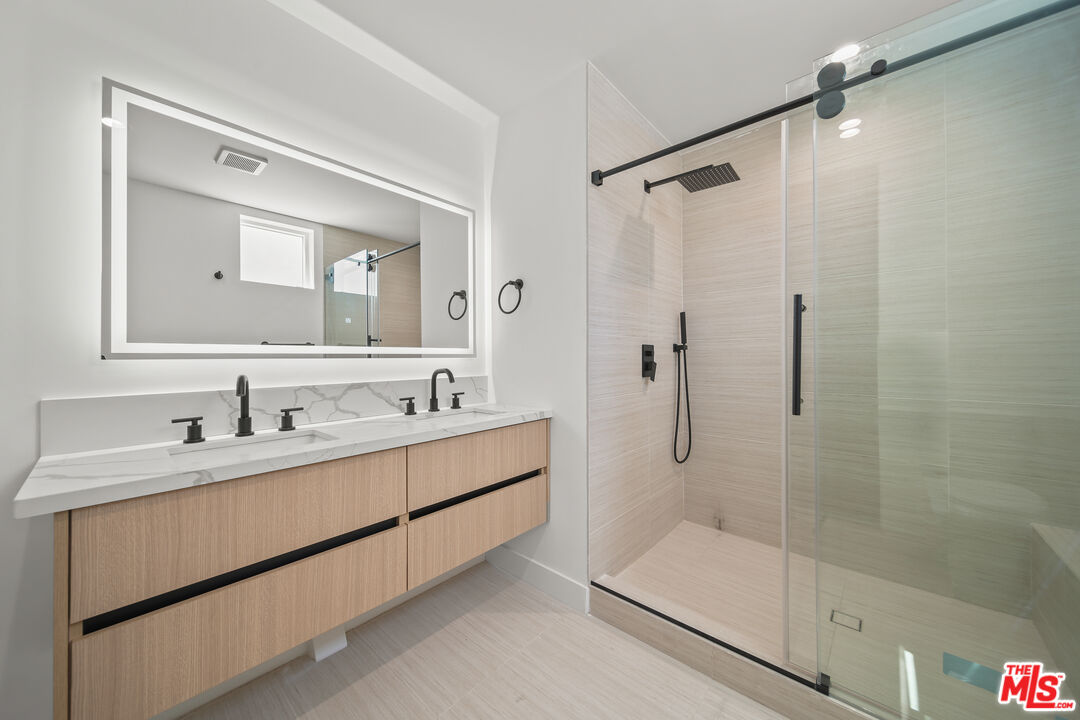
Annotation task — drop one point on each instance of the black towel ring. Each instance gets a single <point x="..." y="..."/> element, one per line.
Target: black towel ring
<point x="519" y="283"/>
<point x="460" y="294"/>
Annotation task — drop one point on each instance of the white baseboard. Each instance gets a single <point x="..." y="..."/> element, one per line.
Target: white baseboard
<point x="564" y="589"/>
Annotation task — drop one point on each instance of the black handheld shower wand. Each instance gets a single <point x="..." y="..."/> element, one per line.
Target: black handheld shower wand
<point x="682" y="381"/>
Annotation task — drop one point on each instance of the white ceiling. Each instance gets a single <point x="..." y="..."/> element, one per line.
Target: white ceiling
<point x="171" y="153"/>
<point x="688" y="65"/>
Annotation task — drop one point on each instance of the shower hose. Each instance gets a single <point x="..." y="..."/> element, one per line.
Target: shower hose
<point x="682" y="381"/>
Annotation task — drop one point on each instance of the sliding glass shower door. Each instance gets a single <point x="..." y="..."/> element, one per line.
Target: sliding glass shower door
<point x="941" y="364"/>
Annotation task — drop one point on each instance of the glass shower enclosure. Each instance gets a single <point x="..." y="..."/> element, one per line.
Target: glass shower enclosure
<point x="882" y="500"/>
<point x="938" y="444"/>
<point x="351" y="301"/>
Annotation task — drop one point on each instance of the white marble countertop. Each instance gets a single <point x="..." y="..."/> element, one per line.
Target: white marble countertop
<point x="66" y="482"/>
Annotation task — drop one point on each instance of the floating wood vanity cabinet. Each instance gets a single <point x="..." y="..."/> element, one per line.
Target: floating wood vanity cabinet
<point x="141" y="667"/>
<point x="448" y="468"/>
<point x="162" y="597"/>
<point x="445" y="539"/>
<point x="128" y="551"/>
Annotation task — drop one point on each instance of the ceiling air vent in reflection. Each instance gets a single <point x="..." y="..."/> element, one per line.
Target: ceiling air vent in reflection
<point x="240" y="161"/>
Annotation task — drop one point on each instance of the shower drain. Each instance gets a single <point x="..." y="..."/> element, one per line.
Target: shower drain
<point x="845" y="620"/>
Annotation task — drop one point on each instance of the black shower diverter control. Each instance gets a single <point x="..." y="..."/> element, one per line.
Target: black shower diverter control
<point x="648" y="362"/>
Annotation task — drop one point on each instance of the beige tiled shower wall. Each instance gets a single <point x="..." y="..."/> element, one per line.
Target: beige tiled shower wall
<point x="635" y="295"/>
<point x="947" y="390"/>
<point x="733" y="292"/>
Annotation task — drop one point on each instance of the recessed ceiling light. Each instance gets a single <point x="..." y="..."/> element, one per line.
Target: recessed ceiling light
<point x="111" y="123"/>
<point x="852" y="123"/>
<point x="844" y="52"/>
<point x="850" y="133"/>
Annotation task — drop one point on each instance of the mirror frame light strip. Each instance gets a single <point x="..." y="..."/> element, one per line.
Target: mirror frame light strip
<point x="115" y="344"/>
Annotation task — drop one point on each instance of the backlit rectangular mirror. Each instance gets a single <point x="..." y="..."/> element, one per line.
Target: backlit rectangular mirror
<point x="221" y="241"/>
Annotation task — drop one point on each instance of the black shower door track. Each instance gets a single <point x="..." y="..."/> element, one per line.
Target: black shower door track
<point x="822" y="684"/>
<point x="597" y="176"/>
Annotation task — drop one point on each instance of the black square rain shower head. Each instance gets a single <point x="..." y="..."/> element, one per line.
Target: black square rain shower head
<point x="708" y="177"/>
<point x="702" y="178"/>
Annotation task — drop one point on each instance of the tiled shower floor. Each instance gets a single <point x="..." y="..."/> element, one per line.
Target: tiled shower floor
<point x="719" y="583"/>
<point x="732" y="589"/>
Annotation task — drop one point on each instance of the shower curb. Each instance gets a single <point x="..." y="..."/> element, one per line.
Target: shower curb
<point x="787" y="696"/>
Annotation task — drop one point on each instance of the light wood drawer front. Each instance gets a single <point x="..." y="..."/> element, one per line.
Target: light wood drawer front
<point x="445" y="539"/>
<point x="146" y="665"/>
<point x="443" y="469"/>
<point x="127" y="551"/>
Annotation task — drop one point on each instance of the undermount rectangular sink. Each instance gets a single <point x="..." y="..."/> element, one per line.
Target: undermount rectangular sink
<point x="251" y="447"/>
<point x="455" y="415"/>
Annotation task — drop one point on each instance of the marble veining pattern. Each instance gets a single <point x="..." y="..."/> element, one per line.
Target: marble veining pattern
<point x="64" y="482"/>
<point x="74" y="425"/>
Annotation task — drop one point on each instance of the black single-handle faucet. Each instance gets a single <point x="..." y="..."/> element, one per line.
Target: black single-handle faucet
<point x="433" y="404"/>
<point x="243" y="423"/>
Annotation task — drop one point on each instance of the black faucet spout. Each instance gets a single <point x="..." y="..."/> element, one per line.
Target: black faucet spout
<point x="243" y="423"/>
<point x="433" y="402"/>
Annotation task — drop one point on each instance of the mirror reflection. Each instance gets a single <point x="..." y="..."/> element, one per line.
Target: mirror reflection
<point x="229" y="242"/>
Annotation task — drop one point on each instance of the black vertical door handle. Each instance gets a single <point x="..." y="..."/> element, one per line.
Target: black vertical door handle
<point x="796" y="356"/>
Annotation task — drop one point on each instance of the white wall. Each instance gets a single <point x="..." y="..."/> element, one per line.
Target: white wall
<point x="232" y="61"/>
<point x="539" y="352"/>
<point x="176" y="241"/>
<point x="444" y="269"/>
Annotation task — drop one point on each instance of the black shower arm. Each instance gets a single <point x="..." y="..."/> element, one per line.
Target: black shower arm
<point x="650" y="185"/>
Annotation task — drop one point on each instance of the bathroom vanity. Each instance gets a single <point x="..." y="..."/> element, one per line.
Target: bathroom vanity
<point x="177" y="568"/>
<point x="182" y="563"/>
